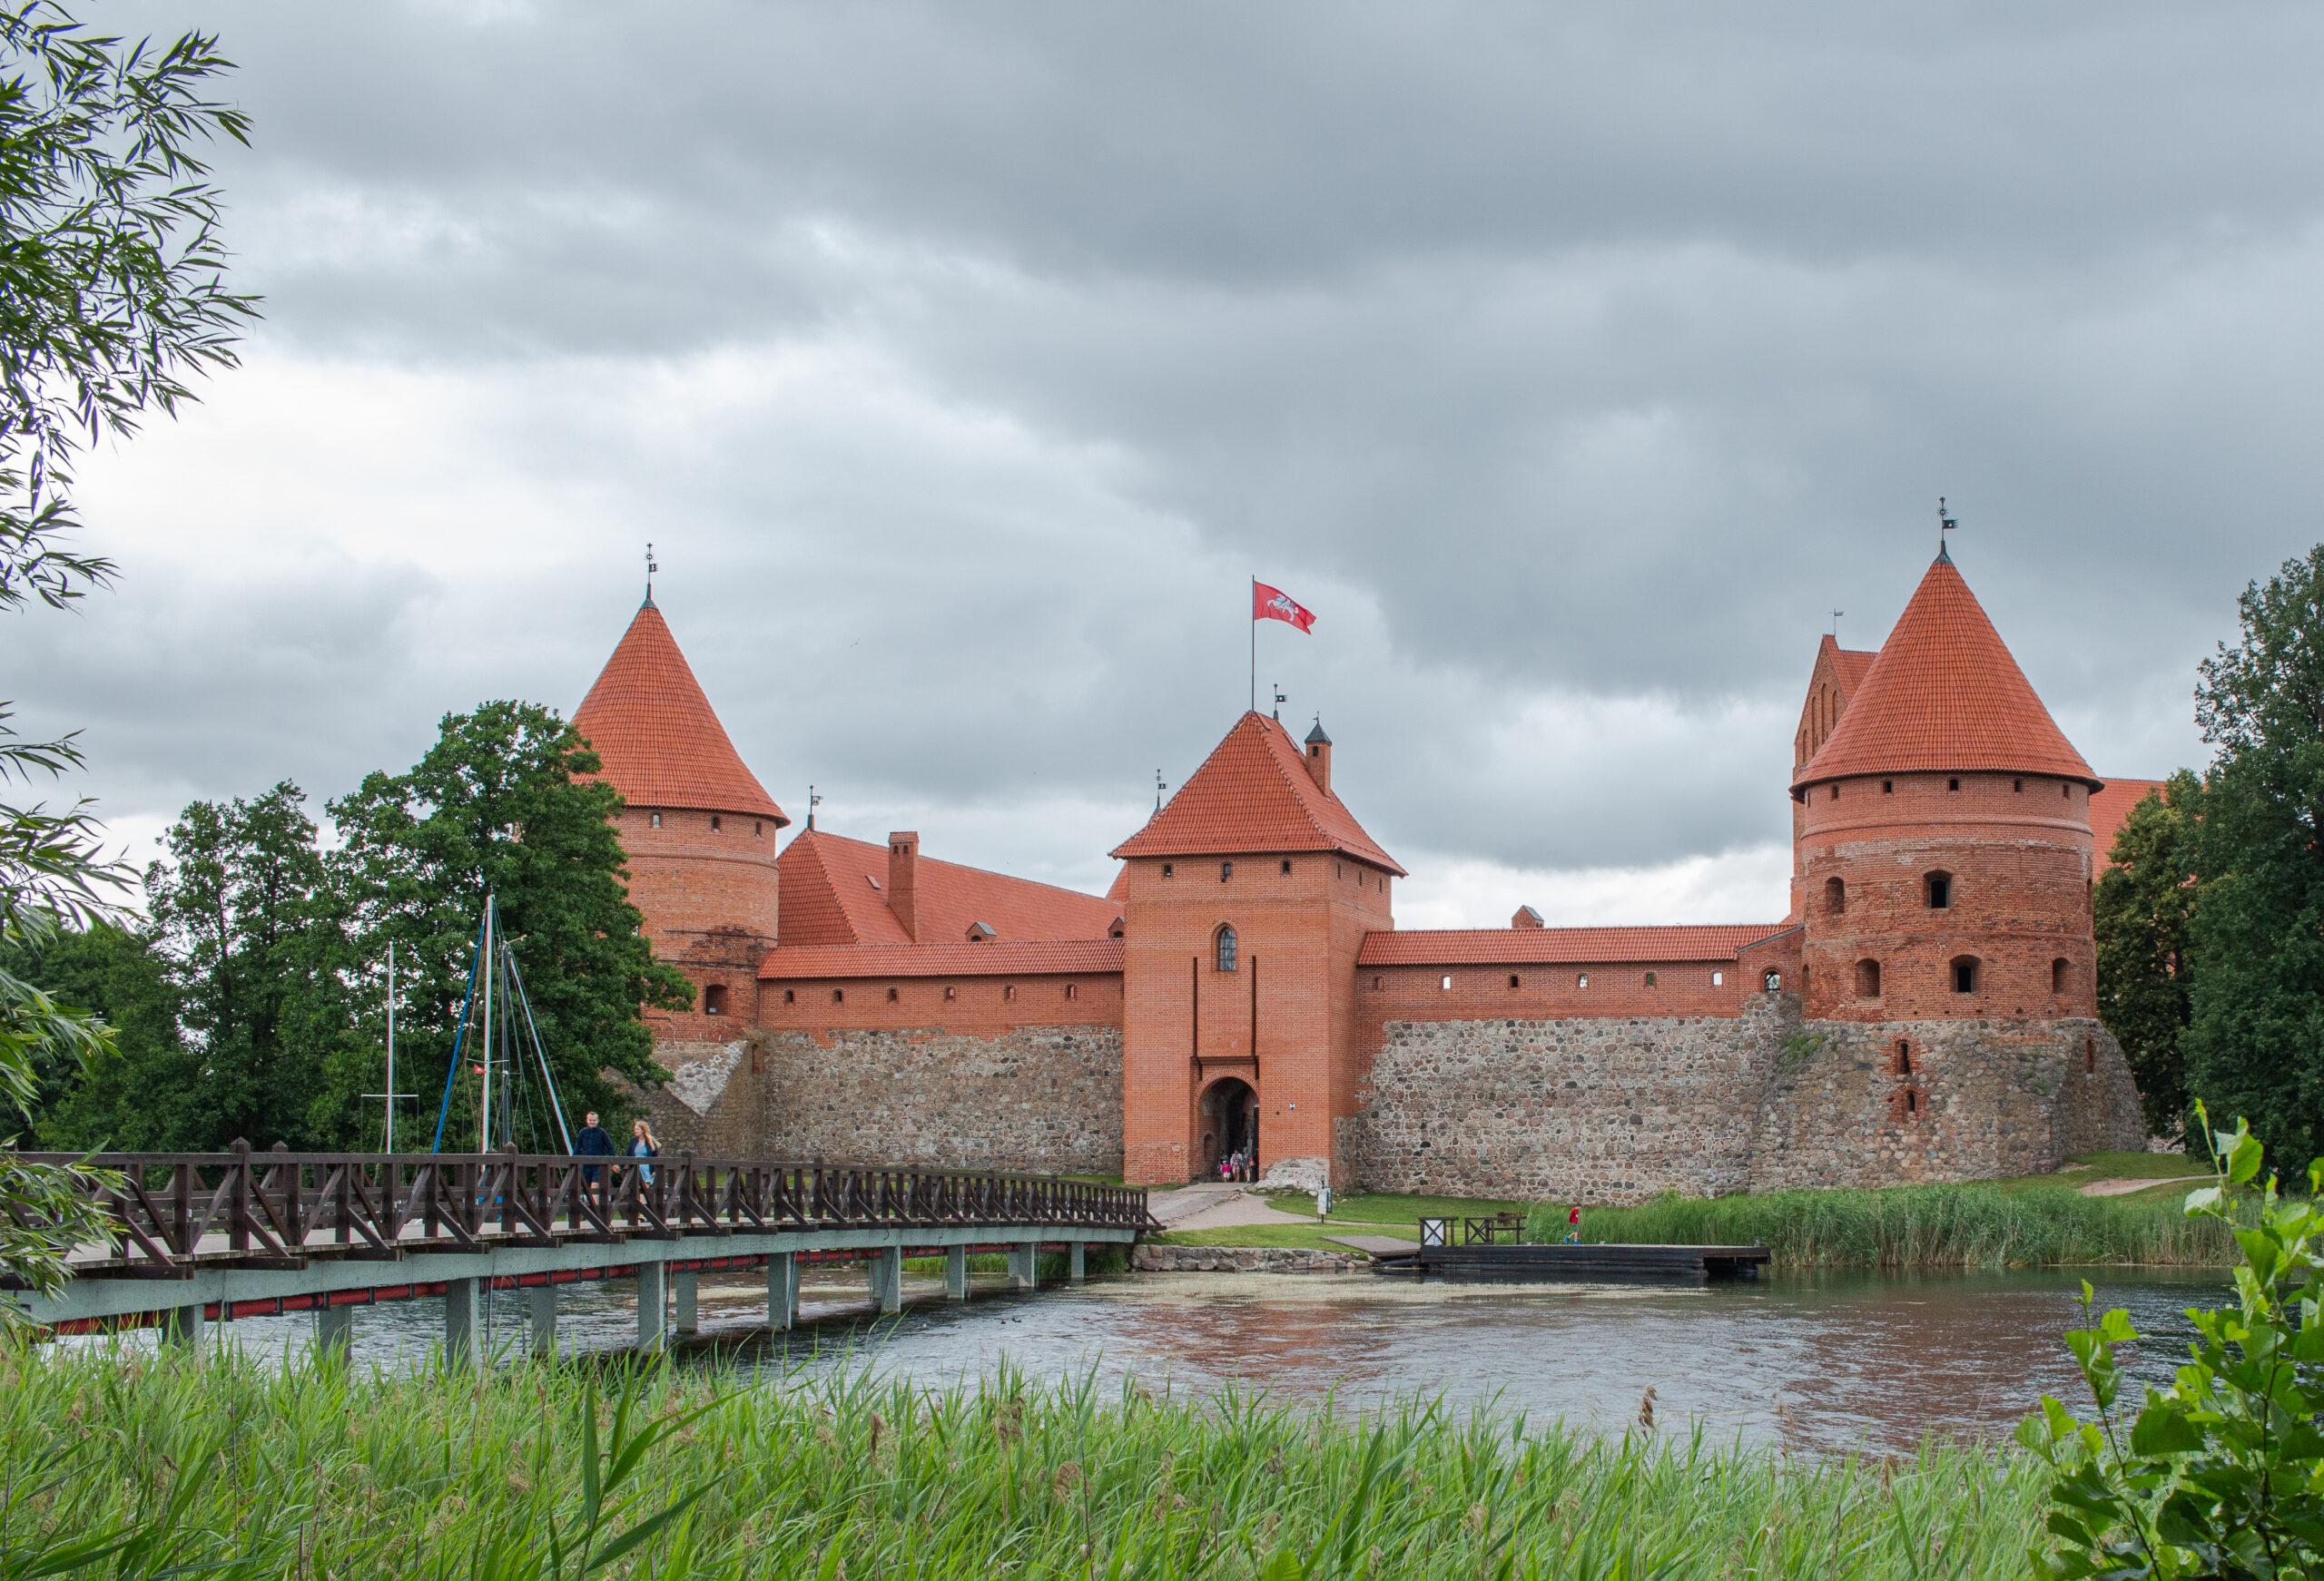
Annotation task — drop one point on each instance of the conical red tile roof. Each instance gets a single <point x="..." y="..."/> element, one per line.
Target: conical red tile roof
<point x="660" y="739"/>
<point x="1254" y="793"/>
<point x="1944" y="696"/>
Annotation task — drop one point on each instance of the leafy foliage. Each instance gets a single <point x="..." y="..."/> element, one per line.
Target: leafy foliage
<point x="2221" y="1474"/>
<point x="110" y="299"/>
<point x="501" y="804"/>
<point x="2255" y="1042"/>
<point x="2143" y="914"/>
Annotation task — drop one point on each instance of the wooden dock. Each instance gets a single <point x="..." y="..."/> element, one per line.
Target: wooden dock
<point x="1604" y="1260"/>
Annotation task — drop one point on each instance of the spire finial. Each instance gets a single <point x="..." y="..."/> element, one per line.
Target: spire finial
<point x="651" y="567"/>
<point x="1276" y="687"/>
<point x="814" y="801"/>
<point x="1945" y="524"/>
<point x="1158" y="788"/>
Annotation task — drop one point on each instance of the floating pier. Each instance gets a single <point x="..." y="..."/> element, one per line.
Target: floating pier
<point x="1605" y="1260"/>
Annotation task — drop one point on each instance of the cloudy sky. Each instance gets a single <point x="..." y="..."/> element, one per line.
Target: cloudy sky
<point x="962" y="362"/>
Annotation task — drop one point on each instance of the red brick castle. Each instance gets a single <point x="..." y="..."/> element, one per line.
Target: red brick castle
<point x="1925" y="1012"/>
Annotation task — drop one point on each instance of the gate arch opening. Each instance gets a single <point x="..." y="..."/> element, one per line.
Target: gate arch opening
<point x="1226" y="1121"/>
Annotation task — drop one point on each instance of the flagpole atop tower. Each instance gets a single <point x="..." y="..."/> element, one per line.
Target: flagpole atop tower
<point x="1255" y="645"/>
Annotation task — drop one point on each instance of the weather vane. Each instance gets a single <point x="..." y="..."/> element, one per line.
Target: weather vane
<point x="651" y="567"/>
<point x="1158" y="788"/>
<point x="1945" y="524"/>
<point x="1275" y="687"/>
<point x="814" y="801"/>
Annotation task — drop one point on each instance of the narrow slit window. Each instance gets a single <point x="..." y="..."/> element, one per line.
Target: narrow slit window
<point x="713" y="823"/>
<point x="1447" y="985"/>
<point x="654" y="820"/>
<point x="1719" y="979"/>
<point x="1165" y="870"/>
<point x="2061" y="975"/>
<point x="1583" y="981"/>
<point x="1287" y="864"/>
<point x="1650" y="979"/>
<point x="1071" y="992"/>
<point x="1887" y="787"/>
<point x="1009" y="990"/>
<point x="839" y="995"/>
<point x="1226" y="871"/>
<point x="950" y="992"/>
<point x="790" y="995"/>
<point x="891" y="994"/>
<point x="1902" y="1065"/>
<point x="1513" y="979"/>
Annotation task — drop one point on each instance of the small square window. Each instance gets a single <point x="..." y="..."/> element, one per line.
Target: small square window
<point x="1583" y="981"/>
<point x="654" y="820"/>
<point x="839" y="995"/>
<point x="892" y="995"/>
<point x="1953" y="785"/>
<point x="1649" y="979"/>
<point x="1226" y="871"/>
<point x="1513" y="979"/>
<point x="1166" y="871"/>
<point x="1287" y="864"/>
<point x="1887" y="787"/>
<point x="790" y="995"/>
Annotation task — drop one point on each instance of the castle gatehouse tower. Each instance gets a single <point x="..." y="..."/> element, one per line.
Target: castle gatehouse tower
<point x="1246" y="900"/>
<point x="699" y="828"/>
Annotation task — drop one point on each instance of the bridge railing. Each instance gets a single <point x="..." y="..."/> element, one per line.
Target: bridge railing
<point x="282" y="1209"/>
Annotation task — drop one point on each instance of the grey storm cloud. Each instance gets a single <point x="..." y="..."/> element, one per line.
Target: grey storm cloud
<point x="1574" y="363"/>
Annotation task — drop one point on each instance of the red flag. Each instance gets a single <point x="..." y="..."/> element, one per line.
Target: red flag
<point x="1274" y="604"/>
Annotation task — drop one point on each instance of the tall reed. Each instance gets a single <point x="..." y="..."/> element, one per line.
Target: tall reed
<point x="1920" y="1226"/>
<point x="239" y="1467"/>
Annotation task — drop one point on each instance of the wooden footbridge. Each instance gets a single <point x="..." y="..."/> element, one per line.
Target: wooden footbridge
<point x="205" y="1237"/>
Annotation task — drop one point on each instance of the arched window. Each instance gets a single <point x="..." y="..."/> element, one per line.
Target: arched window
<point x="1771" y="982"/>
<point x="1070" y="992"/>
<point x="1836" y="897"/>
<point x="1225" y="947"/>
<point x="1964" y="974"/>
<point x="2061" y="975"/>
<point x="1937" y="890"/>
<point x="1867" y="979"/>
<point x="1901" y="1065"/>
<point x="714" y="999"/>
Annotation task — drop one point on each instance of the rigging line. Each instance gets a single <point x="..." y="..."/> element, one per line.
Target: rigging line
<point x="556" y="1104"/>
<point x="459" y="1038"/>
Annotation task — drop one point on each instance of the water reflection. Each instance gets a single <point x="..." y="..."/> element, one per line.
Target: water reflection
<point x="1812" y="1363"/>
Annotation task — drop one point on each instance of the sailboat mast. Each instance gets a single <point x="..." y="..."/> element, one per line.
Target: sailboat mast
<point x="484" y="1099"/>
<point x="391" y="1046"/>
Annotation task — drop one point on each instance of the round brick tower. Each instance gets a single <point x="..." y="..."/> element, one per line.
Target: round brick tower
<point x="699" y="828"/>
<point x="1945" y="838"/>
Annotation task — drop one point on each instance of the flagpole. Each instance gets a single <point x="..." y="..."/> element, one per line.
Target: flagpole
<point x="1255" y="645"/>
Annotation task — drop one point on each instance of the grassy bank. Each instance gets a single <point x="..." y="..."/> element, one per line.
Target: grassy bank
<point x="1926" y="1226"/>
<point x="242" y="1468"/>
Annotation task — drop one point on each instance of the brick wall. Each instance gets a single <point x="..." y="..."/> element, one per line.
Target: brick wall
<point x="1302" y="927"/>
<point x="2014" y="851"/>
<point x="710" y="898"/>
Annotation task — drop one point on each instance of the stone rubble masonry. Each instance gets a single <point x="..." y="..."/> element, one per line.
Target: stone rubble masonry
<point x="1612" y="1111"/>
<point x="1044" y="1100"/>
<point x="1150" y="1257"/>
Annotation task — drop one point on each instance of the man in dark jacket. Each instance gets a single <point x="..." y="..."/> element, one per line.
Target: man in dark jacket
<point x="593" y="1143"/>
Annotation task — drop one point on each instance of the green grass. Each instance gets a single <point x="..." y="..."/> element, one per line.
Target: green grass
<point x="1920" y="1226"/>
<point x="1396" y="1208"/>
<point x="1307" y="1235"/>
<point x="245" y="1468"/>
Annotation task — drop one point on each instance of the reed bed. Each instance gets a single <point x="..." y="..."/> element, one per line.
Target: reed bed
<point x="235" y="1466"/>
<point x="1921" y="1226"/>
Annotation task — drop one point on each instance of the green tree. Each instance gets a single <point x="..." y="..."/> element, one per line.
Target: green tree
<point x="118" y="975"/>
<point x="241" y="910"/>
<point x="2255" y="1040"/>
<point x="2143" y="911"/>
<point x="111" y="299"/>
<point x="502" y="804"/>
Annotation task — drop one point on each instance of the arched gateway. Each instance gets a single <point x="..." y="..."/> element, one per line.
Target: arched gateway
<point x="1226" y="1122"/>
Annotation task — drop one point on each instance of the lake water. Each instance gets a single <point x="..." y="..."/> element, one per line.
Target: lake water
<point x="1814" y="1363"/>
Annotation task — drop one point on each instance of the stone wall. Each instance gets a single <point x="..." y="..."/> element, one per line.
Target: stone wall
<point x="1040" y="1099"/>
<point x="1967" y="1100"/>
<point x="1616" y="1111"/>
<point x="1150" y="1258"/>
<point x="1592" y="1110"/>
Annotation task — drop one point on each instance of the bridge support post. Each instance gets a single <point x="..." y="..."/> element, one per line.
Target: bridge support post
<point x="888" y="1278"/>
<point x="460" y="1315"/>
<point x="956" y="1272"/>
<point x="181" y="1327"/>
<point x="781" y="1291"/>
<point x="1078" y="1249"/>
<point x="1024" y="1266"/>
<point x="651" y="1306"/>
<point x="686" y="1286"/>
<point x="540" y="1311"/>
<point x="334" y="1335"/>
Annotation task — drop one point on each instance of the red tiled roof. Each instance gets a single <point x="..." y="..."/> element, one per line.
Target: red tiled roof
<point x="1453" y="946"/>
<point x="2109" y="808"/>
<point x="1944" y="695"/>
<point x="660" y="741"/>
<point x="1851" y="665"/>
<point x="833" y="893"/>
<point x="1087" y="956"/>
<point x="1254" y="793"/>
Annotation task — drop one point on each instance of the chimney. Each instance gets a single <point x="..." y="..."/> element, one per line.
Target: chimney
<point x="1526" y="918"/>
<point x="1319" y="756"/>
<point x="903" y="853"/>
